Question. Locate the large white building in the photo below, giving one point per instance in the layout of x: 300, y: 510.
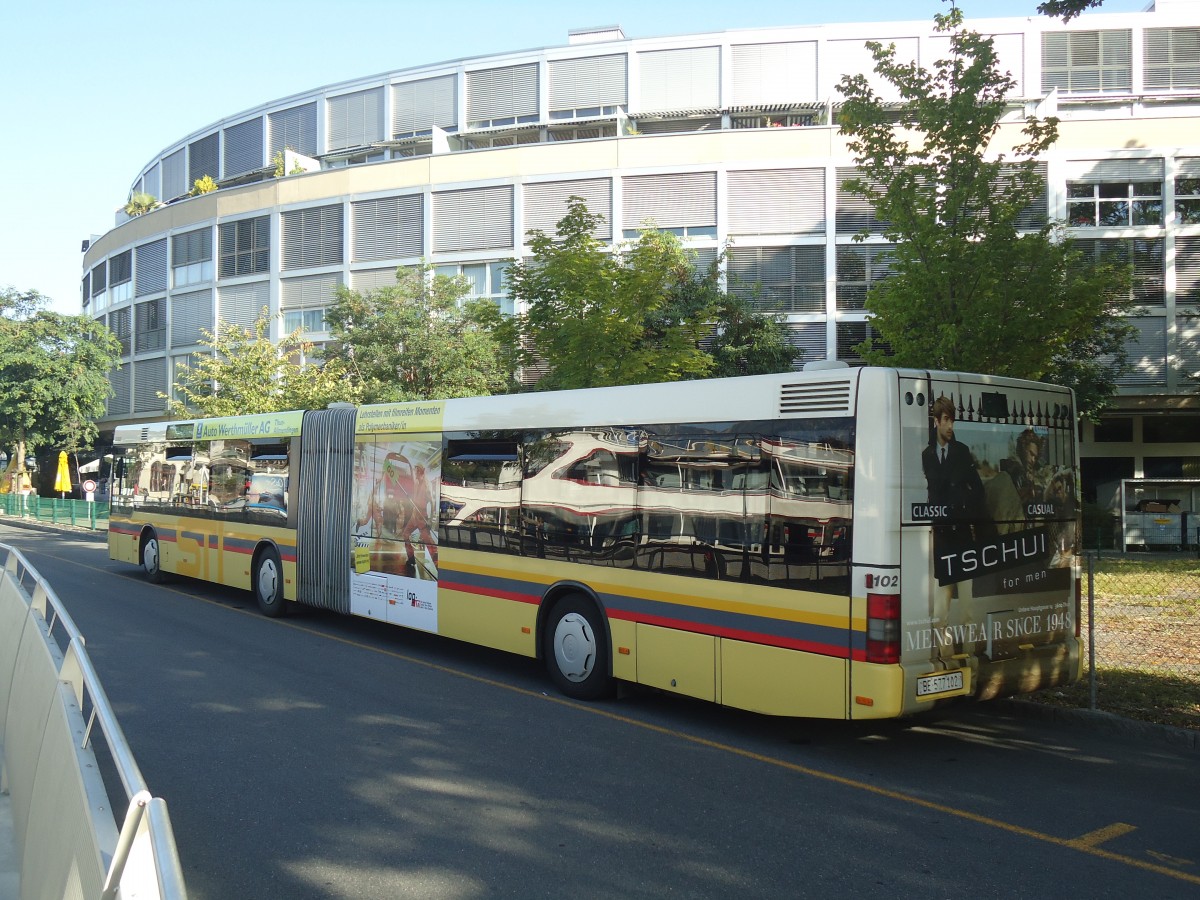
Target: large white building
x: 722, y: 137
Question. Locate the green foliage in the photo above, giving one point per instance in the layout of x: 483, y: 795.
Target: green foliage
x: 418, y: 340
x: 633, y: 316
x: 278, y: 162
x: 53, y: 375
x: 243, y: 372
x: 139, y: 204
x: 969, y: 289
x: 1067, y: 9
x: 204, y: 185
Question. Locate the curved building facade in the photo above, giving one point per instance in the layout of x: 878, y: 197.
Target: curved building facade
x: 723, y: 138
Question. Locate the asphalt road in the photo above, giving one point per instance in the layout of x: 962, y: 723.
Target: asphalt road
x: 320, y: 756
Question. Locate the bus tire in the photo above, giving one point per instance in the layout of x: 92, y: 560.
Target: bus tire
x: 576, y: 649
x: 151, y: 555
x: 268, y: 583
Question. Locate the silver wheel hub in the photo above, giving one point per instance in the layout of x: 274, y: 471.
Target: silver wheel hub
x: 574, y: 647
x: 268, y: 580
x: 150, y: 556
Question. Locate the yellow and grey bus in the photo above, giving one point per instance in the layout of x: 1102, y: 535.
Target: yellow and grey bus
x: 843, y: 542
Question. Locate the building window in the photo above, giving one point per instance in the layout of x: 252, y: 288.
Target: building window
x: 306, y: 320
x: 584, y: 132
x: 1187, y: 200
x: 487, y: 280
x: 245, y: 247
x: 120, y: 274
x: 312, y: 237
x: 1114, y: 204
x: 150, y: 327
x: 585, y: 112
x: 1115, y: 430
x: 191, y: 257
x: 1087, y: 62
x: 1171, y: 55
x: 779, y: 279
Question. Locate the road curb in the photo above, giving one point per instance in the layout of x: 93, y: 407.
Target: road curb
x: 61, y: 528
x: 1099, y: 720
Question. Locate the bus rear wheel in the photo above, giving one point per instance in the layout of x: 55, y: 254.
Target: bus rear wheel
x: 268, y: 583
x: 576, y: 649
x: 152, y: 558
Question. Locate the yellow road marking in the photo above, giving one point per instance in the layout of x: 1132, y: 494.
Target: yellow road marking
x: 1102, y: 835
x: 1086, y: 844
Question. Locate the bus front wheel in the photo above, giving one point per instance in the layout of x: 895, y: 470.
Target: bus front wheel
x: 151, y: 558
x: 268, y: 583
x: 576, y: 649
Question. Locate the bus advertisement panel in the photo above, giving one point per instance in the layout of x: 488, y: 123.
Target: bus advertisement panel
x: 990, y: 477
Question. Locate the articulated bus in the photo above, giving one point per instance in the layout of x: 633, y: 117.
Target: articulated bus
x: 851, y: 543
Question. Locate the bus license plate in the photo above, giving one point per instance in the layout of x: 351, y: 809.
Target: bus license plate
x: 940, y: 684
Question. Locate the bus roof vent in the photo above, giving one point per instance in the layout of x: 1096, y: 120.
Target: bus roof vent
x: 815, y: 397
x: 145, y: 439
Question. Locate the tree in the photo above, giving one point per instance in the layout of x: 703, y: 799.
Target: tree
x: 243, y: 372
x: 639, y: 314
x: 418, y: 340
x: 53, y: 376
x: 971, y: 288
x: 1067, y: 9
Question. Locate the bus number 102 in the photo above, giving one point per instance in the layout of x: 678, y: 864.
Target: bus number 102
x: 875, y: 582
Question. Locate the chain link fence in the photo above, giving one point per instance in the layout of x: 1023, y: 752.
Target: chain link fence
x: 1141, y: 629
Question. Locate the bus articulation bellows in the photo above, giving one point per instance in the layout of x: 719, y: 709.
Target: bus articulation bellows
x: 842, y: 543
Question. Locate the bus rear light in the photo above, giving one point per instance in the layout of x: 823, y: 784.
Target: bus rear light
x: 883, y: 628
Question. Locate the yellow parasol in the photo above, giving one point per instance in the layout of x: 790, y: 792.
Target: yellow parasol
x: 62, y: 481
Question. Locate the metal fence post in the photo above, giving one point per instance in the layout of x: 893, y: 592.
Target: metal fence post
x: 1091, y: 566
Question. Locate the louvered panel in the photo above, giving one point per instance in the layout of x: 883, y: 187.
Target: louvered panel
x: 546, y: 204
x: 779, y: 279
x: 149, y: 380
x: 150, y: 325
x: 204, y: 158
x: 854, y: 213
x: 670, y: 201
x: 680, y: 79
x: 99, y: 278
x: 242, y: 304
x: 355, y: 120
x: 503, y: 93
x: 120, y: 268
x: 1147, y: 351
x: 191, y: 247
x: 387, y: 228
x: 120, y: 323
x: 293, y: 129
x: 1172, y: 59
x: 1087, y: 62
x: 419, y: 106
x: 777, y: 201
x: 191, y: 316
x: 587, y: 82
x: 150, y: 268
x: 309, y: 292
x: 119, y: 404
x: 809, y: 340
x: 243, y: 147
x: 774, y: 73
x: 174, y: 175
x: 152, y: 181
x: 473, y: 219
x: 806, y: 398
x: 1187, y: 167
x: 1010, y: 56
x: 373, y: 279
x: 851, y: 57
x: 1188, y: 349
x: 1187, y: 270
x: 680, y: 126
x: 1114, y: 170
x: 312, y: 237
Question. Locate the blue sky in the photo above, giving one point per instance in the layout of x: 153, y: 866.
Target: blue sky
x: 91, y: 91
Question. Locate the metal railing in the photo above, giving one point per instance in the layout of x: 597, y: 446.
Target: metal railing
x: 137, y: 852
x: 77, y: 513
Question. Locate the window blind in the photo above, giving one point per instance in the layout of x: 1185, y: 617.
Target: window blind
x: 312, y: 237
x: 243, y: 147
x: 387, y: 228
x: 293, y: 129
x: 546, y: 204
x: 425, y: 104
x: 191, y: 316
x: 242, y: 304
x: 149, y: 380
x: 774, y: 73
x: 204, y: 159
x: 355, y: 120
x: 680, y: 79
x: 502, y: 93
x: 670, y: 201
x: 588, y: 81
x: 777, y: 201
x: 150, y: 268
x: 473, y: 219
